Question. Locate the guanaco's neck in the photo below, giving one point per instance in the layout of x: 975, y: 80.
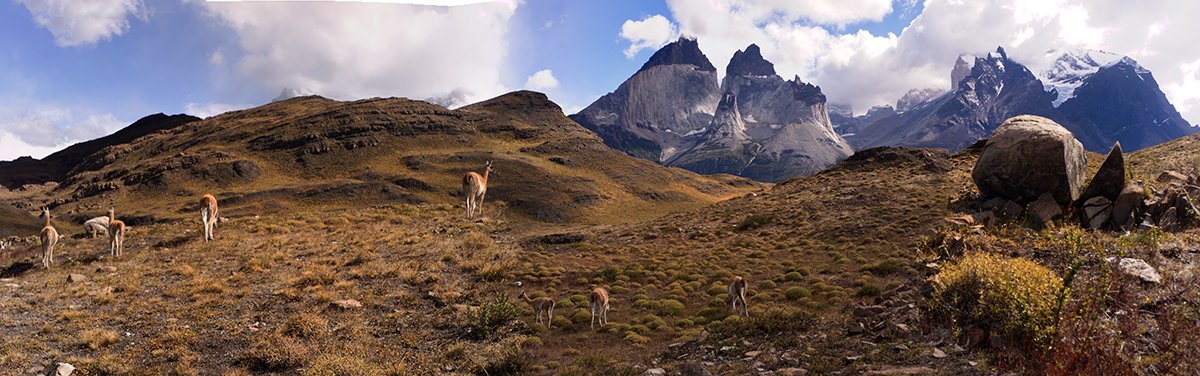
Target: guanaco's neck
x: 47, y: 212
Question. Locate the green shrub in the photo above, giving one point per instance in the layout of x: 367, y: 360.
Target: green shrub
x: 793, y: 276
x: 884, y: 267
x: 489, y: 315
x: 796, y: 293
x: 1014, y: 297
x: 869, y: 290
x: 766, y: 284
x: 671, y: 307
x: 754, y: 221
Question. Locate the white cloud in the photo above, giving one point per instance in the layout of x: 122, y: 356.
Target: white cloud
x: 651, y: 32
x: 360, y: 50
x: 542, y: 80
x: 1186, y: 93
x: 865, y: 70
x: 217, y: 58
x: 84, y: 22
x: 207, y: 110
x: 39, y: 130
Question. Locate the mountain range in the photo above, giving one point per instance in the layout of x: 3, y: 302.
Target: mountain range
x: 1100, y: 97
x: 755, y: 124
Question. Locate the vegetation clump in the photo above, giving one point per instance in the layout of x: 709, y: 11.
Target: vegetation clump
x: 1013, y: 298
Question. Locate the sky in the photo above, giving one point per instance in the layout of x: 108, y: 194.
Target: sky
x: 76, y: 70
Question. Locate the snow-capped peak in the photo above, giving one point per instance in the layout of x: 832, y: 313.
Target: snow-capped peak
x: 1065, y: 70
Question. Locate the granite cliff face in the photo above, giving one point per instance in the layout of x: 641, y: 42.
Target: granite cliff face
x: 755, y: 124
x: 657, y: 113
x: 1101, y: 98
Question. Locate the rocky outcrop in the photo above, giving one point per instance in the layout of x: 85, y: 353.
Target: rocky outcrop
x: 685, y: 51
x: 962, y: 69
x: 1109, y: 179
x: 915, y: 97
x: 749, y: 63
x: 1028, y: 156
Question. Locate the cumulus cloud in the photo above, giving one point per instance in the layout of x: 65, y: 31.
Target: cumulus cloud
x: 865, y: 70
x: 40, y: 131
x: 542, y: 80
x: 84, y: 22
x: 651, y: 32
x: 359, y: 50
x: 207, y: 110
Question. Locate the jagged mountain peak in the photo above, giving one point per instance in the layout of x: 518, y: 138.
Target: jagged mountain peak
x: 686, y: 50
x: 749, y: 63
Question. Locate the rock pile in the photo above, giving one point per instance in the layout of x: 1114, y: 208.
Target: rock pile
x: 1034, y: 167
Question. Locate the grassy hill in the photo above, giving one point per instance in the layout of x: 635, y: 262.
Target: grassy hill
x: 842, y: 264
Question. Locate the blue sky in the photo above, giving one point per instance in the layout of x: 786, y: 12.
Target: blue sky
x: 75, y: 70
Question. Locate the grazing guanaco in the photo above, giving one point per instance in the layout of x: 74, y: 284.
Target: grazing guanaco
x: 737, y: 292
x: 599, y: 304
x: 475, y: 187
x: 49, y: 237
x: 116, y: 233
x: 208, y: 215
x: 540, y: 305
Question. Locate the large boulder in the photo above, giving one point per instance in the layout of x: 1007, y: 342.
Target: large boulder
x: 1030, y: 155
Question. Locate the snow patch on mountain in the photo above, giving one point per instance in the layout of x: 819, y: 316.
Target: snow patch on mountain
x: 1063, y: 71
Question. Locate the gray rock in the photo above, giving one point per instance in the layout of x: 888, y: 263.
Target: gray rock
x: 75, y: 278
x: 1097, y: 212
x: 1169, y: 176
x: 1044, y: 209
x: 1029, y: 155
x: 1169, y: 220
x: 856, y: 328
x: 1140, y: 269
x: 1011, y: 210
x: 1128, y: 204
x: 346, y: 304
x: 655, y: 372
x: 1109, y: 179
x: 64, y: 369
x: 694, y: 369
x: 791, y: 371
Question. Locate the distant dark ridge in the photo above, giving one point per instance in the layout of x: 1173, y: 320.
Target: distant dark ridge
x: 26, y: 170
x: 683, y: 51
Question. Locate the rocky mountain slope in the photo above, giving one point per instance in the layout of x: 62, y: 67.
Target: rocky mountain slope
x: 315, y: 152
x: 55, y: 167
x: 1102, y: 98
x: 754, y: 124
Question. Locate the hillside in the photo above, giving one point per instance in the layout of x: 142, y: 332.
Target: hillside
x: 837, y: 263
x: 311, y: 152
x: 55, y: 167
